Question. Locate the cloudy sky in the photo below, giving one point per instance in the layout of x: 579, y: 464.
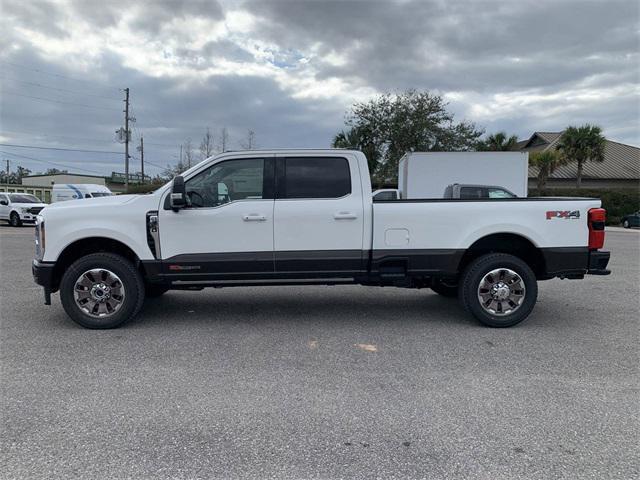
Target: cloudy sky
x: 290, y: 70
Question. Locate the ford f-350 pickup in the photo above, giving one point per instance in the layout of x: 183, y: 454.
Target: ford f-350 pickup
x: 305, y: 217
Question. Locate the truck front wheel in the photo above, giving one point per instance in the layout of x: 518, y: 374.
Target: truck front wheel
x: 101, y: 290
x: 14, y: 220
x: 498, y: 289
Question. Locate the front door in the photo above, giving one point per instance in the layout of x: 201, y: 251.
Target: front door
x: 227, y: 231
x: 318, y: 230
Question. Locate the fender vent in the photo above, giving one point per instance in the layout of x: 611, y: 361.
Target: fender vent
x: 153, y: 233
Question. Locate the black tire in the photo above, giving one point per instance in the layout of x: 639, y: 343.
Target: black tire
x: 626, y: 224
x: 474, y: 275
x: 14, y: 220
x: 444, y: 289
x: 154, y: 291
x: 132, y: 284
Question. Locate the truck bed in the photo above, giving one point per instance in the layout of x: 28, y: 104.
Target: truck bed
x: 455, y: 223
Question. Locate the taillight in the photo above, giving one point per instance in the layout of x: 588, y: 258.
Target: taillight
x: 597, y: 218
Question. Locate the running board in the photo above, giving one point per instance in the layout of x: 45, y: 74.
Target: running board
x: 185, y: 284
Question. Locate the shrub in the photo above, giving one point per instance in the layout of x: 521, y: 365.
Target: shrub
x: 617, y: 203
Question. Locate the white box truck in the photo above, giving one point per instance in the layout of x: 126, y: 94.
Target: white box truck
x: 428, y: 174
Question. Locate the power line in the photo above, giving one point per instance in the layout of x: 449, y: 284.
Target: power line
x: 64, y: 89
x: 30, y: 134
x: 50, y: 162
x: 154, y: 164
x: 45, y: 72
x: 56, y: 148
x: 63, y: 102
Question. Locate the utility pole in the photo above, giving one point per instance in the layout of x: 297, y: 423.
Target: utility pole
x: 142, y: 157
x: 126, y: 140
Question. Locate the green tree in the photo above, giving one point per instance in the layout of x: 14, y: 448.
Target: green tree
x: 357, y: 139
x: 547, y: 162
x: 392, y: 125
x: 14, y: 177
x: 582, y: 144
x: 173, y: 171
x: 498, y: 142
x: 53, y: 171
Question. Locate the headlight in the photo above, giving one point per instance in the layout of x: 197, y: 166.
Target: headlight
x: 24, y: 209
x: 40, y: 237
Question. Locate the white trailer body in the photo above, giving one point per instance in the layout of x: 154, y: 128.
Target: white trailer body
x: 427, y: 174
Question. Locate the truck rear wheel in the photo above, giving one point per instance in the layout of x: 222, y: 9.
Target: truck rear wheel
x: 101, y: 290
x: 500, y: 290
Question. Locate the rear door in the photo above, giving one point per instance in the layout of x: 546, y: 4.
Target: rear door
x: 318, y: 216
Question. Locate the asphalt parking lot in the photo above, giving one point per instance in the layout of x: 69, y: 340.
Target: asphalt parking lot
x: 322, y: 382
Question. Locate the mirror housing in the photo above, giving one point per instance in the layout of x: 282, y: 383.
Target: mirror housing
x: 178, y: 195
x: 4, y: 202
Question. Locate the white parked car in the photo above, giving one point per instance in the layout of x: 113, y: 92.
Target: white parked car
x: 64, y: 191
x: 18, y: 208
x: 306, y: 217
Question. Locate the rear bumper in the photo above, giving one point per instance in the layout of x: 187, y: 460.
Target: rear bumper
x: 574, y: 262
x: 598, y: 262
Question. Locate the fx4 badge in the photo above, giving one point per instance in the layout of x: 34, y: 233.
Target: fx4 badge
x: 566, y: 214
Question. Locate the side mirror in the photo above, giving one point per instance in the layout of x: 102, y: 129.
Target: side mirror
x: 178, y: 195
x: 4, y: 202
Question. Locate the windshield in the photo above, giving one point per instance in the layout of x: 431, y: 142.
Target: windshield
x: 23, y: 198
x: 100, y: 194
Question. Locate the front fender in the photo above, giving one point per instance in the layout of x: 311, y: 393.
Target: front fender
x: 134, y: 241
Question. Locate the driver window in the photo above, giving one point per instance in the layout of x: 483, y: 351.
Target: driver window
x: 226, y: 182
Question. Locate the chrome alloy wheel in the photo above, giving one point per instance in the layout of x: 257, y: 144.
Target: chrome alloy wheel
x: 501, y: 292
x: 99, y: 293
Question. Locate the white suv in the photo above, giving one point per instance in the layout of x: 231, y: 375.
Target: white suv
x: 17, y: 208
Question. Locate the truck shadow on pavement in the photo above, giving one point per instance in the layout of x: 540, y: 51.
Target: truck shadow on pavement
x: 324, y: 305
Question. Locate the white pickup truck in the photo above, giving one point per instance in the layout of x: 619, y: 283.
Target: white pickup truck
x: 303, y: 217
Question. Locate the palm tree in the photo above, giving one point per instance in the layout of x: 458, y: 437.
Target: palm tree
x: 356, y: 138
x: 348, y: 139
x: 547, y: 162
x: 498, y: 142
x: 582, y: 144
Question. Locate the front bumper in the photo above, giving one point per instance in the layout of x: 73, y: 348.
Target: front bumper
x: 43, y: 275
x: 598, y: 262
x: 27, y: 217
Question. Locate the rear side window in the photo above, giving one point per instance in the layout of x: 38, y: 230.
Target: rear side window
x: 473, y: 192
x: 316, y: 177
x: 500, y: 193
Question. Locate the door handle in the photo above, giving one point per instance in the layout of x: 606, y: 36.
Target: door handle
x: 254, y: 217
x: 345, y: 216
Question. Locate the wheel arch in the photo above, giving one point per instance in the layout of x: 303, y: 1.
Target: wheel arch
x: 85, y: 246
x: 506, y: 242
